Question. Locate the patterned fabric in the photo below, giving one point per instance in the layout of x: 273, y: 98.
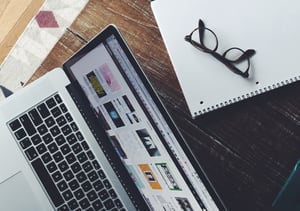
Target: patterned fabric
x: 36, y: 42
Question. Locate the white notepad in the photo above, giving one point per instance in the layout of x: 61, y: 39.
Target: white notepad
x: 271, y: 27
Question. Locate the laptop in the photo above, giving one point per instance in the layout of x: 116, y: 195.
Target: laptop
x: 93, y: 135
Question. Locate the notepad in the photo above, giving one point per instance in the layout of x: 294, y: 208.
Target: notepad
x: 271, y: 27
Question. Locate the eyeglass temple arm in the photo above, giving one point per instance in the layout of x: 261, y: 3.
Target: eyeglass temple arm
x: 231, y: 66
x: 201, y: 29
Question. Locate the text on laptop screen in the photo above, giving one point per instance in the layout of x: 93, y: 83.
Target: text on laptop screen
x: 138, y: 131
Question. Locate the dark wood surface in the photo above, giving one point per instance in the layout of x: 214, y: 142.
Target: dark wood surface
x: 247, y: 149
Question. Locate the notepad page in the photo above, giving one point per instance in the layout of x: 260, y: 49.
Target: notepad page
x: 270, y: 27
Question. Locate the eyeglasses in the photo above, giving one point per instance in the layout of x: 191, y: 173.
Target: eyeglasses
x: 231, y: 58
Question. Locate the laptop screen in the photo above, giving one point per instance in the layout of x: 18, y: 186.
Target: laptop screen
x: 138, y: 127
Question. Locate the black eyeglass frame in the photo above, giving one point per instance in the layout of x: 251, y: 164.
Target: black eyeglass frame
x: 246, y: 55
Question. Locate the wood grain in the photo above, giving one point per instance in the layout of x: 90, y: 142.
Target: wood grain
x: 14, y: 17
x: 247, y: 149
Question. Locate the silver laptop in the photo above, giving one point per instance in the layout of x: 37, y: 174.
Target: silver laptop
x: 93, y: 135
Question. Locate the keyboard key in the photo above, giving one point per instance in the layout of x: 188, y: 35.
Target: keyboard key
x: 85, y: 146
x: 81, y: 177
x: 71, y: 139
x: 68, y: 175
x: 87, y: 166
x: 86, y: 186
x: 15, y: 125
x: 60, y: 140
x: 73, y: 204
x: 82, y: 157
x: 107, y: 184
x: 19, y: 134
x: 47, y: 182
x: 63, y: 166
x: 42, y: 129
x: 51, y: 103
x: 98, y: 185
x: 63, y: 208
x: 58, y: 157
x: 71, y: 158
x: 92, y: 176
x: 65, y: 149
x: 67, y: 195
x: 58, y: 98
x: 41, y: 148
x: 112, y: 194
x: 35, y: 117
x: 46, y: 158
x: 62, y: 185
x: 76, y: 148
x: 76, y: 167
x: 103, y: 195
x: 69, y: 117
x: 56, y: 112
x: 51, y: 167
x: 47, y: 138
x: 57, y: 176
x: 55, y: 131
x: 52, y: 147
x: 27, y: 124
x: 25, y: 143
x: 50, y: 122
x: 84, y: 203
x: 66, y: 130
x: 63, y: 108
x: 92, y: 195
x: 74, y: 184
x: 109, y: 204
x: 101, y: 174
x: 74, y: 127
x: 96, y: 164
x: 43, y: 110
x: 61, y: 121
x: 31, y: 153
x: 79, y: 194
x: 118, y: 203
x: 79, y: 136
x: 97, y: 205
x: 36, y: 139
x: 90, y: 155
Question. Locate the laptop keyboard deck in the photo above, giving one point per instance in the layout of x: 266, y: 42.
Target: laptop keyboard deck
x: 61, y: 158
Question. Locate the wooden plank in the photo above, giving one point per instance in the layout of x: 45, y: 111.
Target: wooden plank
x: 14, y: 17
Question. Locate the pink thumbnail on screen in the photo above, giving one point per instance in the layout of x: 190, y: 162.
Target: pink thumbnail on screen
x: 109, y: 77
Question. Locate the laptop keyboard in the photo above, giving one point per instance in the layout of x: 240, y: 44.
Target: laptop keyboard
x: 62, y: 160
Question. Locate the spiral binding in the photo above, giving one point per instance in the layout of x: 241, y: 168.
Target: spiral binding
x: 248, y: 95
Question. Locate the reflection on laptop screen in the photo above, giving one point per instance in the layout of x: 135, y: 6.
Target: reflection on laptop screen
x: 138, y: 131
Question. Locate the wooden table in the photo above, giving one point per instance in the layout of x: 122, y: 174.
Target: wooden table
x: 247, y: 149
